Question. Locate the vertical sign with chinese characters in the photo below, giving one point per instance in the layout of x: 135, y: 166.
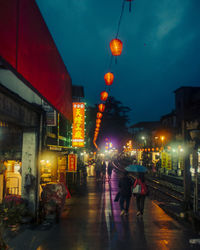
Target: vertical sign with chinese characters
x: 72, y: 163
x: 78, y: 133
x: 163, y: 160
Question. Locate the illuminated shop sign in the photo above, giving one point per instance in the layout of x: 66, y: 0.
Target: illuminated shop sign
x: 78, y: 124
x: 72, y: 163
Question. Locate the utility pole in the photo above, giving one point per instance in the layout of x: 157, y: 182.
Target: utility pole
x: 194, y: 131
x: 186, y: 171
x: 195, y: 165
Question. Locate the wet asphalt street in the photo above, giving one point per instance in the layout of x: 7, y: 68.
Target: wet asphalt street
x: 92, y: 221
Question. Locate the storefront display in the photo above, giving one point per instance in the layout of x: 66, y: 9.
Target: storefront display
x: 45, y: 167
x: 53, y: 168
x: 13, y: 177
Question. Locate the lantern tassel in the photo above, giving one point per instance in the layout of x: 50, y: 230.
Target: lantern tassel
x: 130, y: 7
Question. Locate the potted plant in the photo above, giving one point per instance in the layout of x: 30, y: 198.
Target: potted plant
x: 12, y: 210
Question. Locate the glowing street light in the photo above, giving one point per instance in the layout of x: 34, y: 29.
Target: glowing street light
x: 144, y: 139
x: 162, y: 139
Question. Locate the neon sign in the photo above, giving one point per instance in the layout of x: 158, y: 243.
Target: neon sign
x: 78, y: 133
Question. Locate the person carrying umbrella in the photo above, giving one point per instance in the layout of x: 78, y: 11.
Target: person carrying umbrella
x: 125, y: 186
x: 141, y: 194
x: 139, y: 187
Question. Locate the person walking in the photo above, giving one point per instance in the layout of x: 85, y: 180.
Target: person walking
x: 140, y: 196
x: 98, y: 170
x: 109, y: 170
x: 125, y: 186
x: 103, y: 171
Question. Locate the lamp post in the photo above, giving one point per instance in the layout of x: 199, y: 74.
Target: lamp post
x: 195, y: 136
x: 162, y: 139
x: 144, y: 140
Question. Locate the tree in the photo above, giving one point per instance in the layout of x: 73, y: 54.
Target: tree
x: 114, y: 123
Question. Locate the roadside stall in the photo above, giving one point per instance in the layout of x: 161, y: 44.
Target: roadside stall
x: 53, y: 184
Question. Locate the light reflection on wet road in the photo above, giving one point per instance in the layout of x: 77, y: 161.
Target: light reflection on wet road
x: 92, y: 221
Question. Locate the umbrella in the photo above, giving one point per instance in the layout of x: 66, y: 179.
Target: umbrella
x: 136, y: 168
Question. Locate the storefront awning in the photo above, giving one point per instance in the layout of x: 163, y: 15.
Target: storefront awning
x: 27, y: 46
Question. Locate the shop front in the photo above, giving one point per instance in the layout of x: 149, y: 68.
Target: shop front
x: 53, y: 167
x: 10, y: 159
x: 19, y: 146
x: 28, y: 77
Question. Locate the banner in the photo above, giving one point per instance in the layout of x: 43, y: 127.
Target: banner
x: 78, y: 130
x: 163, y: 160
x: 166, y: 161
x: 72, y: 163
x: 169, y: 162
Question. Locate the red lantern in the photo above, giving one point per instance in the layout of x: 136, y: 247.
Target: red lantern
x: 104, y: 95
x: 101, y: 107
x: 98, y: 125
x: 98, y: 121
x: 116, y: 46
x: 109, y: 77
x: 99, y: 115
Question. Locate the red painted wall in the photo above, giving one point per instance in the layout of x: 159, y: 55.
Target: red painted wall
x: 27, y: 45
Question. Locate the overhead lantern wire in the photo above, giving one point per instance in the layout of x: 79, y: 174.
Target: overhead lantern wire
x: 118, y: 28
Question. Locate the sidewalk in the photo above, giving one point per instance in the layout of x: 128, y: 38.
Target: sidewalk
x: 92, y: 221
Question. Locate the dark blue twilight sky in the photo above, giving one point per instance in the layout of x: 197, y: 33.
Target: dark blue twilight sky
x: 161, y: 50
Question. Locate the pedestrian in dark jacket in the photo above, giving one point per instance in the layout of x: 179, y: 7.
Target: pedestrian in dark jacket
x: 103, y: 171
x: 109, y: 170
x: 98, y: 170
x: 125, y: 185
x: 140, y: 197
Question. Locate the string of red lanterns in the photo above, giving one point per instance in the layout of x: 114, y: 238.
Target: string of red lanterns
x: 116, y: 46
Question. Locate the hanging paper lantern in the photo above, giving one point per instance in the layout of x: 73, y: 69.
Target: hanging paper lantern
x: 109, y: 77
x: 101, y: 107
x: 116, y: 46
x: 98, y: 121
x: 99, y: 115
x: 98, y: 125
x: 104, y: 95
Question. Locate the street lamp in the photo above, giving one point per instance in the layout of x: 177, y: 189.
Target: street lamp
x: 162, y: 139
x: 195, y: 136
x: 144, y: 139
